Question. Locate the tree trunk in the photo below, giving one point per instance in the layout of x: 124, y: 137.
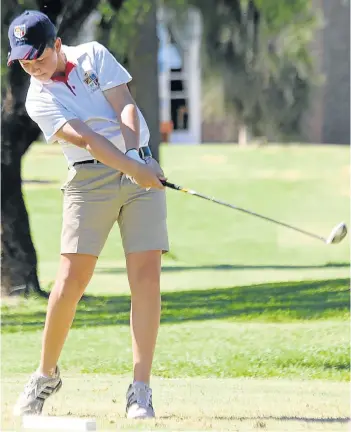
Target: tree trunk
x: 18, y: 256
x: 143, y: 67
x: 19, y: 260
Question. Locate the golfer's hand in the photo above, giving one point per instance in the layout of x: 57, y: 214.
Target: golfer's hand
x: 153, y: 164
x: 148, y: 176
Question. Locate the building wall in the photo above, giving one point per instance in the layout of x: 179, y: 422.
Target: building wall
x: 327, y: 119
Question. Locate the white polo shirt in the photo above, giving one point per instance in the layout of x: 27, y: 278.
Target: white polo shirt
x: 91, y: 69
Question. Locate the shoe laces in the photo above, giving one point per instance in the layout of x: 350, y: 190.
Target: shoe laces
x: 142, y: 396
x: 31, y: 385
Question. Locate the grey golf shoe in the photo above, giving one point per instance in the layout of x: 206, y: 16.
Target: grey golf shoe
x: 35, y: 393
x: 139, y: 402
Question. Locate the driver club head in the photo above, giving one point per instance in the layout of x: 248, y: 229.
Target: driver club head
x: 338, y: 233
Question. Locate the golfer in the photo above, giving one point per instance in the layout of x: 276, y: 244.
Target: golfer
x: 78, y: 96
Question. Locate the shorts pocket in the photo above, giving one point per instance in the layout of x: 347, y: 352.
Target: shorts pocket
x: 72, y: 173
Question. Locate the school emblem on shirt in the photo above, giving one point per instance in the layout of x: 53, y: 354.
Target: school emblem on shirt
x: 19, y: 31
x: 91, y: 80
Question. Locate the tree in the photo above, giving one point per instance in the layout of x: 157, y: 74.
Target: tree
x: 258, y: 61
x: 132, y: 37
x: 19, y: 260
x: 144, y: 68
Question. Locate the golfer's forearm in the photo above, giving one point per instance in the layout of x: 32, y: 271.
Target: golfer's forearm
x: 78, y: 133
x: 104, y: 151
x: 130, y: 126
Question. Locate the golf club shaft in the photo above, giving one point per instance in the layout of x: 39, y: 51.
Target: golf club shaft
x: 192, y: 192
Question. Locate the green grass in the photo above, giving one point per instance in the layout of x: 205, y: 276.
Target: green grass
x: 279, y: 302
x: 316, y: 350
x: 249, y: 308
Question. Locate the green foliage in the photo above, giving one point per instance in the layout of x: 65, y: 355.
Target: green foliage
x: 257, y: 57
x: 277, y: 14
x: 121, y: 26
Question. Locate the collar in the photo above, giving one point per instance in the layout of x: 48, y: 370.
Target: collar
x: 64, y: 78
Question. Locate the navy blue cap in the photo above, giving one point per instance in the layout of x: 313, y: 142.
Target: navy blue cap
x: 29, y: 34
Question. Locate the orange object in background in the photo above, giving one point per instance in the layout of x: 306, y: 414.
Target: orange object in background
x: 166, y: 128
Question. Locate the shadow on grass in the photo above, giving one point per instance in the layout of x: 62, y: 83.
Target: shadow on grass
x: 35, y: 181
x: 271, y: 302
x: 280, y: 418
x: 308, y: 419
x: 223, y: 267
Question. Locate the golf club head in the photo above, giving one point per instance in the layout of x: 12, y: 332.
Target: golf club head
x: 338, y: 233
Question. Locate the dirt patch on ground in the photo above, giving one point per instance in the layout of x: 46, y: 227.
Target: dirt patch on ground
x: 214, y: 159
x: 290, y: 175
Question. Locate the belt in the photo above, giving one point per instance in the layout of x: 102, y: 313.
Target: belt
x: 143, y: 152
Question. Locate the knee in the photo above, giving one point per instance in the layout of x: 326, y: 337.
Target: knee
x: 144, y: 270
x: 69, y: 287
x: 146, y: 283
x: 75, y: 272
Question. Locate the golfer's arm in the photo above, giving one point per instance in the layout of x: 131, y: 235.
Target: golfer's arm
x: 78, y: 133
x: 126, y: 111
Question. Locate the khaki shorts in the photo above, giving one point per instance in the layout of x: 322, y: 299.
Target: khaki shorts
x: 95, y: 197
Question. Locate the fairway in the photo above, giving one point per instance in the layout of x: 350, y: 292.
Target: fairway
x: 255, y: 320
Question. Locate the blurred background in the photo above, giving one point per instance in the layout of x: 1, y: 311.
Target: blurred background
x: 247, y: 101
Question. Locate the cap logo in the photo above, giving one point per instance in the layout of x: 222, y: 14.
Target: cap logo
x: 19, y: 31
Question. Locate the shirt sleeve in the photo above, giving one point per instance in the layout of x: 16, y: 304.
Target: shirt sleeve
x: 110, y: 73
x: 49, y: 115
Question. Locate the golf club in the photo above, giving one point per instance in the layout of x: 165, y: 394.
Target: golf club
x: 336, y: 236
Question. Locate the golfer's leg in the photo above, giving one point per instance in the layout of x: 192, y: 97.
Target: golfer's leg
x: 144, y: 278
x: 89, y: 212
x: 143, y: 227
x: 75, y: 272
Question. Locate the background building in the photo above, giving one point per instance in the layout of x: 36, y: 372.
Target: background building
x: 180, y: 76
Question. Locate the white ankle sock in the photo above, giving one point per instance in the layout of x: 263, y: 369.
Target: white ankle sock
x: 141, y: 383
x: 41, y: 374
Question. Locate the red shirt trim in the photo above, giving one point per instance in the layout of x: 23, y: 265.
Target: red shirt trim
x: 64, y: 78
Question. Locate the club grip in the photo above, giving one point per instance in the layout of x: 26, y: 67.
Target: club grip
x: 170, y: 185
